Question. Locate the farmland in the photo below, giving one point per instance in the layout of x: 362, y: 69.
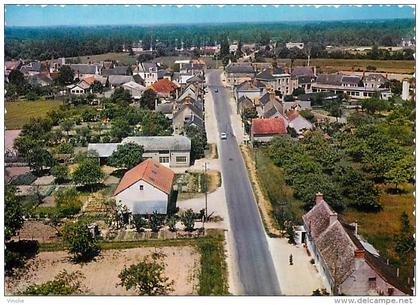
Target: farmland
x: 19, y: 113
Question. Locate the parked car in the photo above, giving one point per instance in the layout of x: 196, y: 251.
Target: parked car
x: 223, y: 136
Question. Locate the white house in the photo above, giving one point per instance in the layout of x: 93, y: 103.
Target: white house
x: 146, y: 188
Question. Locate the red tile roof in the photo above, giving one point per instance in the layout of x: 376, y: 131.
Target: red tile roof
x: 268, y: 126
x: 164, y: 86
x: 150, y: 171
x: 89, y: 79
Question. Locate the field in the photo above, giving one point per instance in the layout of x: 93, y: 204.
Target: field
x: 380, y: 228
x: 19, y: 113
x: 181, y: 267
x: 334, y: 65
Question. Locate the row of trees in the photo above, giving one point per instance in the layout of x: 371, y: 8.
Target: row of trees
x: 47, y: 43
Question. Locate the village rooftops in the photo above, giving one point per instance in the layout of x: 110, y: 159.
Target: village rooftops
x: 85, y: 68
x: 150, y: 171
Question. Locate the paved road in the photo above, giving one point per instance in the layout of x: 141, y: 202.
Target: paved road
x: 256, y: 269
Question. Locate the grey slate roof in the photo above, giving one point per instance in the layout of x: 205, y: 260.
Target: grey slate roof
x: 265, y: 75
x: 116, y: 80
x: 179, y: 143
x: 165, y: 108
x: 171, y: 143
x: 247, y: 86
x: 350, y: 80
x: 31, y: 67
x: 302, y: 71
x: 329, y: 79
x: 239, y: 68
x: 83, y: 68
x: 117, y: 70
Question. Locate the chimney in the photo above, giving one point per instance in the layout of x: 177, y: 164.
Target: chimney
x: 333, y: 218
x: 359, y: 253
x: 398, y: 272
x: 319, y: 198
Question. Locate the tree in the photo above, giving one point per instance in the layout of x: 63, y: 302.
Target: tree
x: 247, y: 116
x: 80, y: 241
x: 60, y: 172
x: 187, y: 219
x: 121, y: 96
x: 97, y: 87
x: 155, y: 222
x: 139, y: 223
x: 88, y: 172
x: 373, y: 105
x: 13, y: 213
x: 171, y: 222
x: 155, y: 124
x: 68, y: 202
x: 147, y: 277
x: 120, y: 129
x: 65, y: 76
x: 198, y: 141
x: 404, y: 241
x: 127, y: 156
x: 64, y: 283
x: 298, y: 91
x: 148, y: 99
x: 67, y: 125
x: 402, y: 171
x: 34, y: 153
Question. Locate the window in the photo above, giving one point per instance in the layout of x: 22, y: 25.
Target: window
x: 181, y: 159
x: 141, y: 187
x: 390, y: 291
x: 163, y: 159
x: 372, y: 283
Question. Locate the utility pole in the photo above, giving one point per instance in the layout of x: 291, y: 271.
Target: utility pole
x: 205, y: 197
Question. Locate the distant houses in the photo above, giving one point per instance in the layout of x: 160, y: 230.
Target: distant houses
x: 347, y: 265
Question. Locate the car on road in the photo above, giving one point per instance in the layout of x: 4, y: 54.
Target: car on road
x: 223, y: 136
x: 216, y: 90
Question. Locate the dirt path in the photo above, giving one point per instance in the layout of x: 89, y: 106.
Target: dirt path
x: 182, y: 266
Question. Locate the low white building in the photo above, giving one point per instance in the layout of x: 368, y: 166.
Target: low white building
x: 146, y: 188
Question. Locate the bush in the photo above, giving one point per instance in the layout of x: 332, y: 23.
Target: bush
x: 139, y: 222
x: 80, y: 241
x: 188, y: 220
x: 68, y: 202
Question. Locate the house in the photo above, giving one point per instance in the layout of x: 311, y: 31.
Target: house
x: 148, y: 72
x: 237, y: 73
x: 32, y: 68
x: 80, y: 88
x: 118, y: 80
x: 188, y: 114
x: 172, y: 151
x: 291, y: 45
x: 54, y: 65
x: 298, y: 122
x: 136, y: 90
x: 244, y: 103
x: 263, y: 130
x: 95, y: 78
x: 277, y: 79
x: 305, y: 76
x: 146, y: 188
x: 166, y: 108
x: 42, y: 79
x: 374, y: 81
x: 165, y: 88
x: 11, y: 65
x: 345, y: 263
x: 250, y: 89
x: 353, y: 86
x: 82, y: 70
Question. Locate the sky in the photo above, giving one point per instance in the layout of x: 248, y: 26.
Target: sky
x: 56, y: 15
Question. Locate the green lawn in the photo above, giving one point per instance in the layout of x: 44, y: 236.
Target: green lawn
x: 19, y: 113
x: 122, y: 58
x: 271, y: 178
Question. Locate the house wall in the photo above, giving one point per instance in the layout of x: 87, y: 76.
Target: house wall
x: 358, y: 282
x: 172, y: 155
x: 144, y: 201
